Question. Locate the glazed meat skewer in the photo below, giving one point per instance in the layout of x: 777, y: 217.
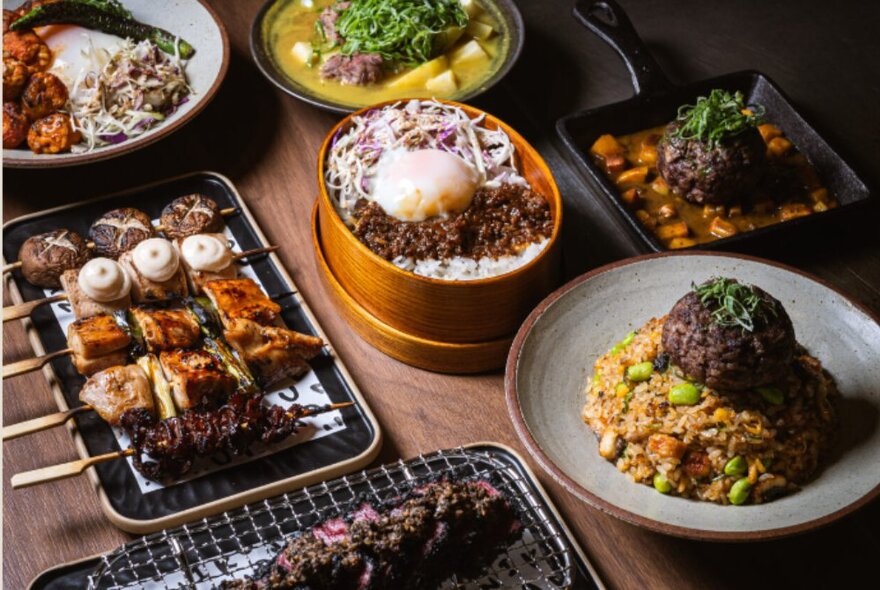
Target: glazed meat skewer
x: 177, y: 441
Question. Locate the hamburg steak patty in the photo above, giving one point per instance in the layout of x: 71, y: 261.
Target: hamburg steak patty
x: 713, y: 347
x: 703, y: 173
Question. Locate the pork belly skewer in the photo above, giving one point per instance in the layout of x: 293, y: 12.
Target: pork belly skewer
x: 140, y: 286
x: 414, y: 541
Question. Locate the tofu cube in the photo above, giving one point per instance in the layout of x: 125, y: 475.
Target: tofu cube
x: 471, y: 7
x: 302, y: 52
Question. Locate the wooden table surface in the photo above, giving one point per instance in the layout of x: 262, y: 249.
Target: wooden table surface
x: 823, y: 54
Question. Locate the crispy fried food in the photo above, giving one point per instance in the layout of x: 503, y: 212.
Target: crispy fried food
x: 117, y: 389
x: 15, y: 125
x: 15, y: 76
x: 52, y: 135
x: 43, y: 95
x: 28, y: 48
x: 9, y: 17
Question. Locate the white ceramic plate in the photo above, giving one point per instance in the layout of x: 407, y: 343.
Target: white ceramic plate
x: 553, y: 355
x: 192, y: 20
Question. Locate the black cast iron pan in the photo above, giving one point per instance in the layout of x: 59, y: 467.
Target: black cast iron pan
x: 656, y: 101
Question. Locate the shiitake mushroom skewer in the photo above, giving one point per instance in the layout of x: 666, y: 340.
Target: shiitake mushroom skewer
x: 21, y: 310
x: 184, y: 216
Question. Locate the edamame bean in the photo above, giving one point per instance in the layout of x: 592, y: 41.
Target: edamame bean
x: 771, y: 395
x: 640, y: 371
x: 661, y: 484
x: 627, y: 340
x: 684, y: 394
x: 739, y: 491
x: 736, y: 466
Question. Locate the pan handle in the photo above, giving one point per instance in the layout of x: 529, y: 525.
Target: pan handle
x: 608, y: 20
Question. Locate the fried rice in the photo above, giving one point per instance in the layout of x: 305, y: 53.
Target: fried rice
x: 772, y: 442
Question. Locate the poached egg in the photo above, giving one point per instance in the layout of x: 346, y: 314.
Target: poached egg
x: 417, y: 185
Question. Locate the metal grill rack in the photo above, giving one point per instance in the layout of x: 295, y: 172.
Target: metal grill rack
x: 236, y: 543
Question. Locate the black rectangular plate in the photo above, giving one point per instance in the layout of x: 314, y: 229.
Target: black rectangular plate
x: 578, y: 131
x: 126, y: 505
x: 75, y: 575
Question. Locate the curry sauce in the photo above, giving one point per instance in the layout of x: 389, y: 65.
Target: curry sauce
x: 790, y: 188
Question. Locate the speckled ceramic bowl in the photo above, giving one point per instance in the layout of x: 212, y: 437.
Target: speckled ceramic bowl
x: 193, y: 20
x: 553, y: 354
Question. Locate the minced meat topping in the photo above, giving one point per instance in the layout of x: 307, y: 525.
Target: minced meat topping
x: 499, y: 221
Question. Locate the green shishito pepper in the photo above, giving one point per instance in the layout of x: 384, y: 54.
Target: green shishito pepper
x: 107, y: 16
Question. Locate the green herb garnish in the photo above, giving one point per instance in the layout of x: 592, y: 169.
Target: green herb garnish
x: 716, y: 117
x: 403, y: 32
x: 734, y: 304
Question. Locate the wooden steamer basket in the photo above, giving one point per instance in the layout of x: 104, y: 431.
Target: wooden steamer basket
x: 441, y: 325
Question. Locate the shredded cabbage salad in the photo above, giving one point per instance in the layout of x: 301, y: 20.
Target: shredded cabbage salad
x: 121, y: 95
x: 418, y: 124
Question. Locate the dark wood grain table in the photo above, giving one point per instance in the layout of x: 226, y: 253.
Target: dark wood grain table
x: 824, y: 55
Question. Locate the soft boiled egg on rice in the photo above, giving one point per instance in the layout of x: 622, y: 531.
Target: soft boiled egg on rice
x: 417, y: 185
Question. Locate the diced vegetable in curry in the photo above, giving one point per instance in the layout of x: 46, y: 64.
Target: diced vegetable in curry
x: 788, y: 186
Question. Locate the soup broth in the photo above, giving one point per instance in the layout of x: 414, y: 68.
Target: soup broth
x: 292, y: 22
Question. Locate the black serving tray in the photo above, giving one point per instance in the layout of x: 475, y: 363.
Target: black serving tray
x: 656, y: 101
x: 121, y: 498
x: 198, y: 545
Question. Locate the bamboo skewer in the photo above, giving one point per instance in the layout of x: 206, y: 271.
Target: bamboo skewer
x: 28, y: 365
x: 74, y: 468
x: 41, y: 423
x: 64, y: 470
x: 91, y: 245
x: 12, y: 266
x: 22, y: 310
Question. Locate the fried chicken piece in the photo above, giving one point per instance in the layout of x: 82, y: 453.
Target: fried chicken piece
x: 28, y: 48
x: 52, y: 135
x: 272, y: 353
x: 15, y: 76
x: 113, y: 391
x: 43, y: 95
x: 15, y: 125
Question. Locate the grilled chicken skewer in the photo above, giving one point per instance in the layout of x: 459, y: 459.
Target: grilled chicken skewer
x: 245, y: 421
x: 117, y: 281
x: 44, y: 257
x: 105, y: 340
